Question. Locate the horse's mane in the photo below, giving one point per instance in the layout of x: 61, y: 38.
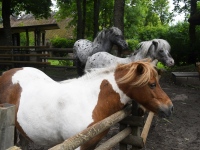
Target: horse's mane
x: 107, y: 32
x: 144, y: 46
x: 147, y: 71
x: 93, y: 72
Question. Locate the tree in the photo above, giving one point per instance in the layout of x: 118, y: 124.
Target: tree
x: 96, y: 17
x: 40, y: 9
x: 119, y: 14
x: 161, y: 8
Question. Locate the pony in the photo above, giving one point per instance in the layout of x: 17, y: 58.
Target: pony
x: 156, y: 49
x: 49, y: 112
x: 102, y: 43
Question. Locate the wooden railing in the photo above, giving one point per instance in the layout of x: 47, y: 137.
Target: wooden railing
x: 36, y: 56
x: 125, y: 137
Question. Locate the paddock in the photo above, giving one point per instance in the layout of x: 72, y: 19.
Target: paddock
x: 181, y: 131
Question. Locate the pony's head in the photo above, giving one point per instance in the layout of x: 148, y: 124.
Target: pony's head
x: 112, y: 35
x: 139, y: 81
x: 117, y: 37
x: 162, y: 51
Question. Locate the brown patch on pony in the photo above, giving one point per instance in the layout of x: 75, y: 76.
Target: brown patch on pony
x: 108, y: 103
x: 11, y: 93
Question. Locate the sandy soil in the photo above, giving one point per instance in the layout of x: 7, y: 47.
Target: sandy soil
x: 182, y: 130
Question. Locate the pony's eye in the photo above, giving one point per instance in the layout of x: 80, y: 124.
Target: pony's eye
x: 152, y: 85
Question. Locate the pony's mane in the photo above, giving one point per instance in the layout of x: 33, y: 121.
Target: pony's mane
x: 147, y: 71
x: 93, y: 72
x: 107, y: 32
x: 144, y: 46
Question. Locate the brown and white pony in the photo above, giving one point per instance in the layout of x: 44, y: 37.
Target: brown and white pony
x: 49, y: 112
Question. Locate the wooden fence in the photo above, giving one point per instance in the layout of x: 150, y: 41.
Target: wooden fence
x: 130, y: 133
x: 36, y: 56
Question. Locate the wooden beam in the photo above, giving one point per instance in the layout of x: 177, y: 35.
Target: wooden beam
x: 7, y: 125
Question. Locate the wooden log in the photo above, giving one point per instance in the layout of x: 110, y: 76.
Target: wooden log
x: 14, y: 148
x: 133, y: 121
x: 147, y: 125
x: 7, y: 125
x: 89, y: 133
x: 135, y: 141
x: 115, y: 139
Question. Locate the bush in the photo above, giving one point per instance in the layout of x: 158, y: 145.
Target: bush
x: 132, y: 44
x: 62, y: 42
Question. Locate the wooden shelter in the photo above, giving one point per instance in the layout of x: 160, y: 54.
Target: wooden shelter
x: 27, y: 24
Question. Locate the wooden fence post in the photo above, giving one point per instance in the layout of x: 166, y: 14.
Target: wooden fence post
x: 7, y: 125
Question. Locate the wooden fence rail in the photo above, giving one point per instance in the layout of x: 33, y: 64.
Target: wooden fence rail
x: 7, y: 125
x: 34, y: 56
x: 123, y: 137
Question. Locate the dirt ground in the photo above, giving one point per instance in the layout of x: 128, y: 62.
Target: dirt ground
x: 182, y: 130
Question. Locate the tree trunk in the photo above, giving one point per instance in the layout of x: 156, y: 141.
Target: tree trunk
x: 119, y: 18
x: 192, y: 34
x: 6, y: 21
x: 84, y: 18
x: 96, y: 17
x: 119, y: 14
x: 79, y: 21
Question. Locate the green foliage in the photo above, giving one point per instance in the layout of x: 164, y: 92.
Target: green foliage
x: 40, y: 9
x: 62, y: 42
x: 149, y: 32
x: 23, y: 39
x: 178, y: 38
x: 132, y: 44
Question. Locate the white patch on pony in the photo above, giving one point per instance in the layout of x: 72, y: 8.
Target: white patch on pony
x: 50, y: 112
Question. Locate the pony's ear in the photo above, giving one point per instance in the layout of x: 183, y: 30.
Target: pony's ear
x: 140, y: 69
x: 155, y: 43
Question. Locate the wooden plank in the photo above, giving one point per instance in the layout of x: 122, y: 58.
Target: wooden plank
x: 25, y: 62
x: 21, y: 47
x: 147, y: 125
x: 67, y: 67
x: 67, y: 50
x: 13, y: 55
x: 185, y: 74
x: 58, y: 58
x: 7, y: 125
x: 115, y: 139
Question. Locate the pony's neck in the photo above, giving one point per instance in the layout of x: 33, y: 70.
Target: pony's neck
x: 102, y: 45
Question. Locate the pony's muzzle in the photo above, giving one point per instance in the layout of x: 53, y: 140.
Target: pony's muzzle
x: 165, y: 112
x: 170, y: 62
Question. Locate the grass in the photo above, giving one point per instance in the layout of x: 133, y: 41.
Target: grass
x: 61, y: 62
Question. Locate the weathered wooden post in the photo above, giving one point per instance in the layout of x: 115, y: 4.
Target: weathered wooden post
x: 7, y: 125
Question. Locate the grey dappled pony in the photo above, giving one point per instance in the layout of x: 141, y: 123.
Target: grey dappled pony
x: 156, y: 49
x: 102, y: 43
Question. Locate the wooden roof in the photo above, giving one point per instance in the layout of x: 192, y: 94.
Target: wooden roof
x: 29, y: 23
x: 53, y: 27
